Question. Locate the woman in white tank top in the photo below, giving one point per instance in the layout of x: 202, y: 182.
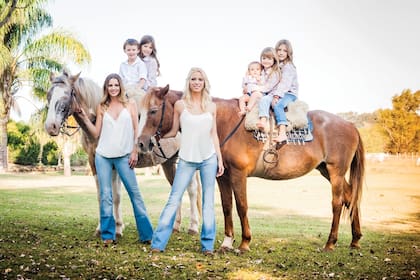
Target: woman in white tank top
x: 195, y: 113
x: 116, y: 127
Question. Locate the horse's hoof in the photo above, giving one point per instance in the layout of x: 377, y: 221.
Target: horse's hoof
x: 224, y: 250
x: 119, y: 235
x: 328, y: 248
x: 97, y: 233
x: 354, y: 246
x: 192, y: 232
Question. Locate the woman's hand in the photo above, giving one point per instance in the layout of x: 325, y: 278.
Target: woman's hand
x: 220, y: 168
x: 133, y: 158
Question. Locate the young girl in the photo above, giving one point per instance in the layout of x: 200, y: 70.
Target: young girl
x: 148, y: 55
x: 249, y: 84
x: 287, y: 90
x: 271, y: 78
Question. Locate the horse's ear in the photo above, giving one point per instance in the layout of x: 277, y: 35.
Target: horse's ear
x: 163, y: 91
x: 52, y: 76
x: 75, y: 77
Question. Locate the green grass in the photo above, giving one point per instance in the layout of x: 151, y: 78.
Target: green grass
x: 47, y: 233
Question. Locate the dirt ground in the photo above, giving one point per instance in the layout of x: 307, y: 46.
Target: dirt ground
x: 391, y: 197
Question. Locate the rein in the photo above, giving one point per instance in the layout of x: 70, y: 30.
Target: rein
x: 156, y: 138
x: 232, y: 132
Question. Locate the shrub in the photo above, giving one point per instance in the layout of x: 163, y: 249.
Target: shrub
x: 50, y: 153
x: 79, y: 158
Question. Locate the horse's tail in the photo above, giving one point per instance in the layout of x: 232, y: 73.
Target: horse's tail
x: 357, y: 173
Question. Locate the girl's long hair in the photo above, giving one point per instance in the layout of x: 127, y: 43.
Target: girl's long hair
x: 146, y: 39
x: 289, y: 48
x: 270, y: 52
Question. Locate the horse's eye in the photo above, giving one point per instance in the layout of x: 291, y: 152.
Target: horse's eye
x: 153, y: 111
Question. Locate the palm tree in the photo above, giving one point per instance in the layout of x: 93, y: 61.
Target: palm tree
x: 27, y: 58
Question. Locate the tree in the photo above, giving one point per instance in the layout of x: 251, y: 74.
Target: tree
x: 27, y: 59
x: 401, y: 124
x: 7, y: 8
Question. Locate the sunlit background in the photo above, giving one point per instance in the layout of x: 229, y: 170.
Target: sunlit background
x: 350, y: 55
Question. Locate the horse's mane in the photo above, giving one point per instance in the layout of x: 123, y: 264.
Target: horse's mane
x: 90, y: 92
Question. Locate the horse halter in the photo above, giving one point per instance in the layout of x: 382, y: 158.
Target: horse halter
x: 155, y: 139
x: 64, y: 127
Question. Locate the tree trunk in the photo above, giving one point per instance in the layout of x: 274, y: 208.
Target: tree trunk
x: 3, y: 144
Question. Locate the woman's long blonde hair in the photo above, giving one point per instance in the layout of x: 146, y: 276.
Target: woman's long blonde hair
x: 205, y: 94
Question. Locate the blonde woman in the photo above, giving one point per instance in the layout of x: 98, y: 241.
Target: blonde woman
x: 199, y: 150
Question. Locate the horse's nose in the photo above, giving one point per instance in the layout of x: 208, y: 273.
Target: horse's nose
x: 52, y: 128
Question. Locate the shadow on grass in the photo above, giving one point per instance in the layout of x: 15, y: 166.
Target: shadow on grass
x: 48, y: 234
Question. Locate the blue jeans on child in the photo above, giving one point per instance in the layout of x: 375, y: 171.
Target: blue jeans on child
x: 128, y: 177
x: 183, y: 176
x: 279, y: 113
x: 264, y: 106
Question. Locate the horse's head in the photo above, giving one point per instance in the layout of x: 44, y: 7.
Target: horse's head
x: 156, y: 113
x: 60, y: 97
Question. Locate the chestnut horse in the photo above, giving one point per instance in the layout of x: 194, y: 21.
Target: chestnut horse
x: 335, y: 149
x: 66, y: 95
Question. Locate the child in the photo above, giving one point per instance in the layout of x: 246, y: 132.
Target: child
x: 249, y: 83
x: 271, y: 78
x: 148, y: 55
x: 287, y: 90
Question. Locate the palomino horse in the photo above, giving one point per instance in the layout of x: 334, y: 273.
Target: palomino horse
x: 66, y: 95
x: 335, y: 149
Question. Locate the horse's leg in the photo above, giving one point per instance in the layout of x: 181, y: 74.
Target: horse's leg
x: 337, y: 182
x: 238, y: 182
x: 225, y: 189
x: 116, y: 197
x: 169, y: 168
x: 194, y: 193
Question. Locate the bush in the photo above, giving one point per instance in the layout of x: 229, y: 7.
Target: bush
x: 79, y: 158
x: 50, y: 153
x: 29, y: 154
x: 23, y: 145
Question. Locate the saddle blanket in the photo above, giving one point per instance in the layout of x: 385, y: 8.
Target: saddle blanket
x: 298, y: 130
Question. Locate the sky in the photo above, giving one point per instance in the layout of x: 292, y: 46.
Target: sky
x: 350, y: 55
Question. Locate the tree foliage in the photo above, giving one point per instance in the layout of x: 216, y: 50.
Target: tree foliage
x: 401, y: 124
x: 28, y: 58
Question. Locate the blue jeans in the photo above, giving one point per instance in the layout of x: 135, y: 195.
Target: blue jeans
x: 264, y: 106
x: 279, y: 113
x: 183, y: 176
x: 128, y: 177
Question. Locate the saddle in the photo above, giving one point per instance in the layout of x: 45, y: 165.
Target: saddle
x: 298, y: 130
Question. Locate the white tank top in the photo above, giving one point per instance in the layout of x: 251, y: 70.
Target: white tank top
x: 116, y: 139
x: 196, y: 141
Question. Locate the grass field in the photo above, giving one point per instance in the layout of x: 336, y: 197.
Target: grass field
x: 47, y: 223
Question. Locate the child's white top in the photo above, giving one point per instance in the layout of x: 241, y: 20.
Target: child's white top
x: 132, y: 73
